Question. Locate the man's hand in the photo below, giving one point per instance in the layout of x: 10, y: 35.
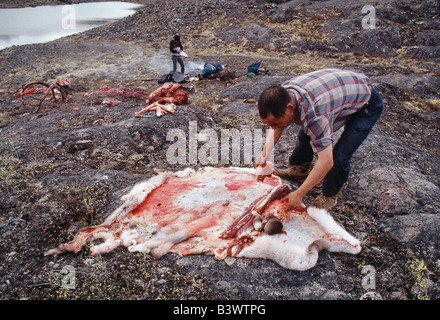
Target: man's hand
x: 294, y: 201
x: 322, y: 166
x: 261, y: 161
x: 265, y: 170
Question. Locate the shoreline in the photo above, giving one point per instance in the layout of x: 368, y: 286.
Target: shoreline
x: 20, y: 25
x: 12, y: 4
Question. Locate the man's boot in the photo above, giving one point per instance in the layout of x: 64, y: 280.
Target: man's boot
x: 296, y: 172
x: 324, y: 202
x: 327, y: 203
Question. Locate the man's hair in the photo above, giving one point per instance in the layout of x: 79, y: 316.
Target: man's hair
x: 273, y: 100
x: 177, y: 38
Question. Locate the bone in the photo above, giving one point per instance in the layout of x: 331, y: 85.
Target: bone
x: 258, y: 221
x: 62, y: 248
x: 258, y: 206
x: 278, y: 192
x: 232, y: 229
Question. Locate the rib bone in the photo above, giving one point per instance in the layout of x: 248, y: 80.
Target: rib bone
x: 257, y: 205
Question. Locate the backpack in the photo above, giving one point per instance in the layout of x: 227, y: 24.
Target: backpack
x: 253, y: 68
x: 177, y: 77
x: 168, y: 78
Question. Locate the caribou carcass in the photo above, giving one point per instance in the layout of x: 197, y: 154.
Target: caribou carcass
x: 164, y: 99
x: 215, y: 211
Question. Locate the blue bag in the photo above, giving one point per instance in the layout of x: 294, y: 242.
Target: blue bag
x: 253, y: 68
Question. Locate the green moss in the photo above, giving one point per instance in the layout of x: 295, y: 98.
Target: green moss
x: 4, y: 120
x: 418, y: 269
x: 135, y: 278
x: 434, y: 104
x: 81, y: 202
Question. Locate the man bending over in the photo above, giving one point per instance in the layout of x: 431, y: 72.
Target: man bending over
x: 321, y: 102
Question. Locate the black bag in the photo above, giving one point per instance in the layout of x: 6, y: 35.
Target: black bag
x: 168, y: 78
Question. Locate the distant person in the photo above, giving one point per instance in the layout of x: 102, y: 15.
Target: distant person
x: 210, y: 68
x: 176, y: 48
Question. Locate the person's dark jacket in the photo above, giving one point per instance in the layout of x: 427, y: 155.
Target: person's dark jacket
x: 175, y: 44
x: 211, y: 68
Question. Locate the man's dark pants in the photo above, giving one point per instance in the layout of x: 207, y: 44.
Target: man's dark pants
x: 355, y: 132
x: 178, y: 59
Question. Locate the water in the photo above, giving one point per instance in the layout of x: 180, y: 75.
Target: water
x: 46, y: 23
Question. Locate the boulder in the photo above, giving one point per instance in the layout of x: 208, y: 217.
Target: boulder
x: 377, y: 42
x: 251, y: 89
x: 253, y: 32
x: 285, y: 12
x: 424, y: 53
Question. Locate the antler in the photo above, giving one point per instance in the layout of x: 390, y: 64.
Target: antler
x: 60, y: 85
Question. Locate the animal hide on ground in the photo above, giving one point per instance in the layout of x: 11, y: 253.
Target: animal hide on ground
x: 185, y: 213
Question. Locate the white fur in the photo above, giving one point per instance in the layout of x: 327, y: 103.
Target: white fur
x: 305, y: 235
x: 109, y: 244
x: 330, y: 226
x: 244, y: 170
x: 296, y: 248
x: 288, y: 255
x: 184, y: 173
x: 139, y: 247
x: 140, y: 190
x: 135, y: 197
x: 128, y: 238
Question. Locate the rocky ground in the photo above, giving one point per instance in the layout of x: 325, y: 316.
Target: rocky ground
x: 66, y: 166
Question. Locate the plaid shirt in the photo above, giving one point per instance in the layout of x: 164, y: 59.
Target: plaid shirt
x: 325, y: 100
